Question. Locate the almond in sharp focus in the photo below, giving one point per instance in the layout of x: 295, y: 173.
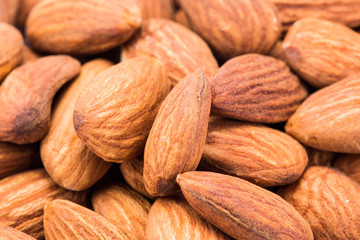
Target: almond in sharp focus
x: 350, y: 165
x: 114, y: 114
x: 9, y: 233
x: 178, y: 135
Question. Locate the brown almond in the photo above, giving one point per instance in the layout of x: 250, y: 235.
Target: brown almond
x: 319, y: 158
x: 336, y: 47
x: 25, y: 7
x: 67, y: 220
x: 4, y: 17
x: 23, y: 197
x: 9, y: 233
x: 173, y: 219
x: 157, y: 9
x: 327, y: 120
x: 12, y: 9
x: 350, y: 165
x: 62, y: 149
x: 328, y: 200
x: 181, y: 50
x: 74, y: 27
x: 178, y: 135
x: 242, y: 209
x: 277, y: 51
x: 28, y: 55
x: 114, y: 114
x: 259, y: 154
x: 180, y: 17
x: 26, y: 97
x: 256, y: 88
x: 123, y: 207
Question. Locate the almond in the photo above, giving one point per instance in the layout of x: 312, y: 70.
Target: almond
x: 233, y: 27
x: 62, y: 149
x: 67, y: 220
x: 277, y: 51
x: 4, y: 17
x: 123, y: 207
x: 327, y: 120
x: 26, y: 96
x: 180, y: 17
x: 259, y: 154
x: 24, y: 10
x: 256, y: 88
x: 350, y: 165
x: 178, y: 135
x: 74, y: 27
x: 319, y: 158
x: 28, y: 55
x: 114, y: 114
x: 336, y: 47
x: 242, y: 209
x: 157, y: 9
x: 23, y: 197
x: 328, y: 200
x: 173, y: 219
x: 12, y: 9
x: 9, y: 233
x: 181, y: 50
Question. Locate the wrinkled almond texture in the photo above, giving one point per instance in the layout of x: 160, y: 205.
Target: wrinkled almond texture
x: 319, y: 158
x: 328, y: 119
x: 81, y: 27
x: 350, y: 165
x: 69, y: 162
x: 178, y: 135
x: 242, y: 209
x: 114, y: 114
x: 328, y: 200
x: 9, y: 233
x: 157, y: 9
x: 26, y: 97
x: 24, y: 10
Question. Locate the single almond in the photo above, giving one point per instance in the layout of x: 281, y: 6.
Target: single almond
x: 4, y: 17
x: 157, y: 9
x: 25, y: 7
x: 12, y: 9
x: 9, y: 233
x: 28, y: 55
x: 319, y: 158
x: 180, y: 17
x: 277, y: 51
x: 350, y: 165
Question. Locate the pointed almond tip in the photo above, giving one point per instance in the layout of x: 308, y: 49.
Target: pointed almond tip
x: 179, y: 178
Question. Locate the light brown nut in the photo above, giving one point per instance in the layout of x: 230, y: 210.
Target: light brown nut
x: 181, y: 50
x: 350, y: 165
x: 4, y: 17
x: 62, y: 149
x: 277, y: 51
x: 26, y: 97
x: 233, y: 27
x: 157, y: 9
x: 12, y: 9
x: 322, y: 52
x: 242, y: 209
x: 174, y: 219
x: 327, y: 120
x: 11, y: 45
x: 23, y: 197
x: 113, y: 115
x: 16, y: 158
x: 256, y: 88
x: 328, y: 200
x: 123, y: 207
x: 81, y: 27
x: 9, y: 233
x: 319, y: 158
x: 259, y: 154
x: 180, y: 17
x: 28, y: 55
x: 67, y: 220
x: 25, y: 7
x: 178, y: 135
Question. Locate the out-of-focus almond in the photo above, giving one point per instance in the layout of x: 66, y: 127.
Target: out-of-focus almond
x: 350, y: 165
x: 25, y: 7
x: 9, y: 233
x: 277, y: 51
x: 4, y: 17
x: 28, y: 55
x: 12, y: 9
x: 157, y: 9
x: 180, y: 17
x: 319, y: 158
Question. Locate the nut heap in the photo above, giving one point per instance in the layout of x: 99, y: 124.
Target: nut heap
x: 180, y: 119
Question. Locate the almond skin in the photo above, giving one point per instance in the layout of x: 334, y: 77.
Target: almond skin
x: 24, y: 10
x: 123, y: 207
x: 178, y: 135
x: 4, y: 17
x: 113, y: 115
x: 23, y: 197
x: 328, y: 200
x: 9, y: 233
x: 350, y: 165
x: 181, y: 50
x: 12, y: 9
x: 67, y: 220
x: 173, y: 219
x: 242, y: 209
x: 157, y: 9
x: 73, y: 27
x: 26, y: 97
x: 256, y: 88
x: 28, y: 55
x: 320, y: 158
x: 62, y: 149
x: 244, y: 150
x: 327, y: 120
x: 336, y: 47
x: 233, y: 32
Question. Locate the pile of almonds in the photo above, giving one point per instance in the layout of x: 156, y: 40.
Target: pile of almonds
x: 227, y: 119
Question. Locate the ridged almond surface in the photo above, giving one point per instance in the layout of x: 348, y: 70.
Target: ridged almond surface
x: 123, y: 207
x: 178, y: 135
x: 328, y: 119
x: 350, y: 165
x: 16, y: 158
x: 259, y: 154
x: 234, y: 27
x: 81, y: 27
x: 113, y: 115
x: 175, y: 219
x: 69, y: 162
x: 319, y: 158
x: 256, y: 88
x: 23, y: 197
x: 25, y: 7
x: 181, y: 50
x: 68, y: 221
x: 241, y: 209
x: 9, y: 233
x: 329, y: 201
x: 26, y: 96
x: 336, y: 47
x: 157, y: 9
x: 11, y: 45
